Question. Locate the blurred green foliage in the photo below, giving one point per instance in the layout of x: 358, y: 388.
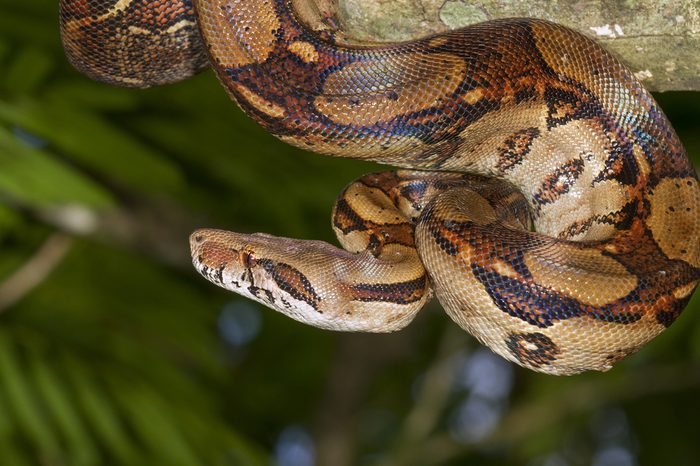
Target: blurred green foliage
x: 121, y: 355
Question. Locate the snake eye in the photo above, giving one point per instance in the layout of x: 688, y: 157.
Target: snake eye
x: 247, y: 259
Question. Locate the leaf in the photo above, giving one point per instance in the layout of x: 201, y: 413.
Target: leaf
x: 62, y: 408
x: 24, y: 403
x: 89, y: 140
x: 27, y: 21
x: 9, y: 449
x: 4, y: 50
x: 8, y: 218
x: 154, y: 423
x: 99, y: 411
x: 29, y: 68
x: 234, y: 449
x: 93, y: 95
x: 33, y: 177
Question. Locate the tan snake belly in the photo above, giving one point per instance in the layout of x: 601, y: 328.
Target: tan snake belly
x: 545, y: 198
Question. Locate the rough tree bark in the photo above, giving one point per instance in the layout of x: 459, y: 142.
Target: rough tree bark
x: 659, y: 40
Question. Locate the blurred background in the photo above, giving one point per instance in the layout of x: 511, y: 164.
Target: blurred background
x: 114, y: 351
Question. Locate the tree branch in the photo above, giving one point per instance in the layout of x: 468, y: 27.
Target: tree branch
x: 35, y: 270
x: 658, y: 40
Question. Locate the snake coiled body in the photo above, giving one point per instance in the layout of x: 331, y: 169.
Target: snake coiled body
x: 544, y: 197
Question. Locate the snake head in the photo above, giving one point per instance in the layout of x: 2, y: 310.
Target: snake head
x: 312, y: 281
x: 258, y: 266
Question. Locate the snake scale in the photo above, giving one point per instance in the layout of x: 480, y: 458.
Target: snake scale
x: 542, y: 195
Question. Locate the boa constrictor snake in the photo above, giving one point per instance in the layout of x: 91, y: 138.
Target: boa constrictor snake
x: 544, y: 197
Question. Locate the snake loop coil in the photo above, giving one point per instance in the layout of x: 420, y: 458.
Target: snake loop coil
x: 544, y: 198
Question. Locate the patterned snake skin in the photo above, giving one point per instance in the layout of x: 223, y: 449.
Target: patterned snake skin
x: 546, y: 200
